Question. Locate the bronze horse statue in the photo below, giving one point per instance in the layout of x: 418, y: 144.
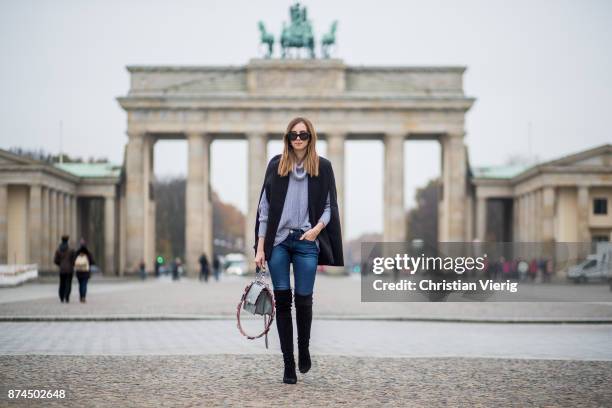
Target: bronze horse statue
x: 266, y: 38
x: 329, y: 39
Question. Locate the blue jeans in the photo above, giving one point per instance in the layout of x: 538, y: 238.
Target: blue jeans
x: 83, y: 277
x: 304, y: 255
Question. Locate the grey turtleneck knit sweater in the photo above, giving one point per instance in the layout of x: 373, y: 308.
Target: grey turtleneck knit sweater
x: 295, y: 209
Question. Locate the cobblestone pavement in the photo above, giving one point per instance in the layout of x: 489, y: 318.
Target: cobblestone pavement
x: 334, y: 297
x: 328, y: 337
x: 255, y: 381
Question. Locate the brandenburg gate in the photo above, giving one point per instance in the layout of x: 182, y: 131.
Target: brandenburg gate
x: 255, y: 102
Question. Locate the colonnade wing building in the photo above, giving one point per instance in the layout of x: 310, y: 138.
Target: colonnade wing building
x: 562, y: 200
x: 40, y: 202
x: 254, y: 103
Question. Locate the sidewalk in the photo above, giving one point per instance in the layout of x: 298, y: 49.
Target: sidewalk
x: 328, y: 337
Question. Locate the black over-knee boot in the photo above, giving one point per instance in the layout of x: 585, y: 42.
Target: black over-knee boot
x: 284, y: 324
x: 303, y: 316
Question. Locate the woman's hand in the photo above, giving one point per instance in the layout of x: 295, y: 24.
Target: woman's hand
x: 260, y: 256
x: 260, y: 259
x: 312, y: 233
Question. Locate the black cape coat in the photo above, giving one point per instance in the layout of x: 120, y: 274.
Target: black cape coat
x: 275, y: 188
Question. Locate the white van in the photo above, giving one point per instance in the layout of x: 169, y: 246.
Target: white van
x: 595, y: 267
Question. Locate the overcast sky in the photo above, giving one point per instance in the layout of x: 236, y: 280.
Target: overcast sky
x: 548, y: 63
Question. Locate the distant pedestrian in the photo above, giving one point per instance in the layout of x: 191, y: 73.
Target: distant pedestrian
x: 175, y: 268
x: 83, y: 261
x: 158, y: 265
x: 533, y: 270
x: 542, y: 269
x: 216, y: 267
x: 549, y: 269
x: 204, y: 267
x: 64, y: 258
x: 143, y: 271
x: 506, y: 268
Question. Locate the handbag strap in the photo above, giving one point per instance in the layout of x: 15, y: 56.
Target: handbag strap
x: 268, y: 319
x: 261, y: 274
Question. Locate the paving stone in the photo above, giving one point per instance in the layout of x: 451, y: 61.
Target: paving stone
x: 255, y: 381
x: 355, y: 338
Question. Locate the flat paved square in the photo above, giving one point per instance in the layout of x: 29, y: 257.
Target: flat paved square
x: 333, y: 297
x: 176, y: 344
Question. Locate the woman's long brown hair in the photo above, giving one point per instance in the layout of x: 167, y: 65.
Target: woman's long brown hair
x: 288, y: 158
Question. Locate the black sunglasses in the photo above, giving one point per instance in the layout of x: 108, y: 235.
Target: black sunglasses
x: 294, y: 135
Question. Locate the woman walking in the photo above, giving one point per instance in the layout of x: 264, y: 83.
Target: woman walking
x: 82, y: 265
x: 297, y: 222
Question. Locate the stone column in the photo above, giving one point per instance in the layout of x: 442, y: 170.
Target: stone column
x: 518, y: 218
x: 198, y: 224
x: 53, y: 238
x: 67, y: 215
x: 470, y: 209
x: 515, y: 219
x: 548, y: 214
x: 56, y: 219
x: 137, y: 198
x: 538, y: 215
x: 149, y: 175
x: 335, y: 153
x: 73, y: 219
x: 481, y: 218
x: 583, y: 214
x: 59, y: 209
x: 525, y: 213
x: 521, y: 231
x: 122, y: 234
x: 526, y: 207
x: 454, y: 188
x: 528, y: 218
x: 393, y: 204
x: 533, y: 202
x: 257, y: 156
x: 109, y: 236
x: 535, y: 209
x: 45, y: 255
x: 35, y: 225
x: 3, y: 223
x: 151, y: 254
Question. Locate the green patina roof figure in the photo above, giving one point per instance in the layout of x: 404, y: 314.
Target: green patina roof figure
x: 298, y: 34
x: 266, y: 38
x: 329, y: 39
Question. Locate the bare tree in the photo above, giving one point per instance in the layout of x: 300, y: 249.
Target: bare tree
x: 423, y: 220
x: 228, y: 221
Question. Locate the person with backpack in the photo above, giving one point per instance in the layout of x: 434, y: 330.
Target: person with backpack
x: 82, y: 265
x: 64, y: 257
